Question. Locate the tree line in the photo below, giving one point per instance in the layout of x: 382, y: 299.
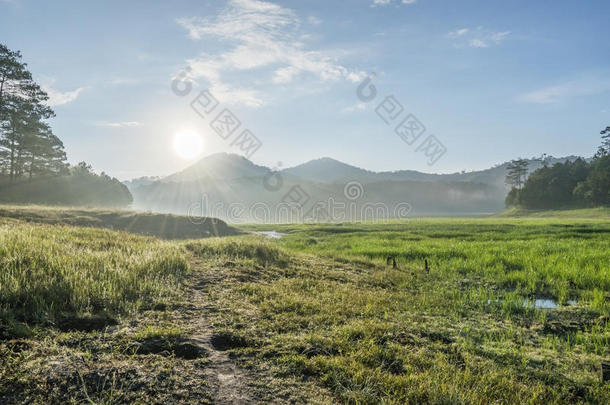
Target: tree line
x: 572, y: 184
x: 33, y: 162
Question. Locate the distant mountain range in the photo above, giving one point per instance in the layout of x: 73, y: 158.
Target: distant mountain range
x: 233, y: 188
x: 327, y: 170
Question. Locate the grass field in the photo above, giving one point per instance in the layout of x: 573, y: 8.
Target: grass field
x: 467, y: 331
x: 560, y: 259
x: 314, y: 317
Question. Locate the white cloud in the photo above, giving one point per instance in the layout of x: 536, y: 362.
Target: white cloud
x: 499, y: 36
x: 356, y: 77
x: 477, y: 38
x: 458, y: 33
x: 119, y: 124
x: 579, y: 87
x: 313, y: 20
x: 117, y: 81
x: 260, y: 35
x: 285, y: 74
x: 478, y: 43
x: 354, y: 108
x: 387, y: 2
x: 57, y: 97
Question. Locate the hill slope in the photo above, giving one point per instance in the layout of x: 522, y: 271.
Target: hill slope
x: 327, y: 170
x: 161, y: 225
x: 219, y: 166
x: 592, y: 213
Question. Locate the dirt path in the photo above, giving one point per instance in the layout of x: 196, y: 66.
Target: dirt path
x: 228, y: 381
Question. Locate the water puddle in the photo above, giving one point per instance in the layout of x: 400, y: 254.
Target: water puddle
x: 271, y: 234
x: 546, y: 303
x: 540, y: 303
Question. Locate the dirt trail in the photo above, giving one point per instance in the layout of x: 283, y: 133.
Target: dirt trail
x: 228, y: 381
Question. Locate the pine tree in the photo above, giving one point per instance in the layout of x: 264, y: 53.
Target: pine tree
x: 515, y: 178
x: 27, y: 144
x: 604, y: 149
x: 517, y: 173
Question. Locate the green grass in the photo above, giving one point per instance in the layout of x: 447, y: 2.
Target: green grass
x: 50, y: 271
x: 80, y: 281
x: 560, y: 259
x: 253, y: 251
x: 318, y: 316
x: 463, y: 333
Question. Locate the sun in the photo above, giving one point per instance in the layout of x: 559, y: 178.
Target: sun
x: 188, y: 144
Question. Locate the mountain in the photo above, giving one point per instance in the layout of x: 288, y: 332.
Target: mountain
x: 494, y: 176
x: 232, y: 188
x: 219, y: 166
x: 327, y: 170
x: 248, y: 200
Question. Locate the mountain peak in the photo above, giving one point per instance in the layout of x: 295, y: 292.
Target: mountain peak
x: 221, y: 156
x: 222, y: 165
x: 327, y: 169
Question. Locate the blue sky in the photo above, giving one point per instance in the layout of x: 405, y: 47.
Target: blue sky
x: 492, y: 80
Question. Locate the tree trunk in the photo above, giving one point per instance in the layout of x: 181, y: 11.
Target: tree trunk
x: 31, y: 167
x: 1, y: 93
x: 19, y: 166
x: 12, y: 161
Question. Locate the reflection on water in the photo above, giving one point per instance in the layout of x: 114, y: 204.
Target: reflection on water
x: 540, y: 303
x: 271, y: 234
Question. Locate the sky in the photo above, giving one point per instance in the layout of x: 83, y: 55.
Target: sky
x: 489, y: 80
